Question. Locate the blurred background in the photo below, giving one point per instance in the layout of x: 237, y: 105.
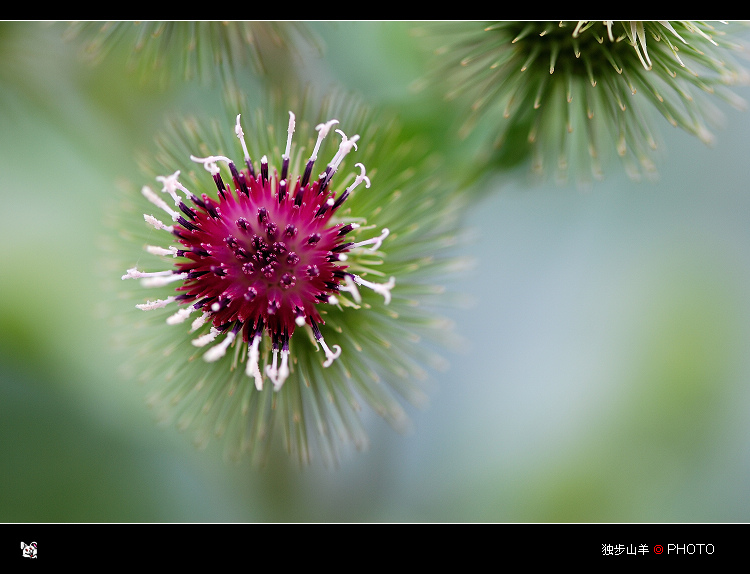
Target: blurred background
x: 604, y: 376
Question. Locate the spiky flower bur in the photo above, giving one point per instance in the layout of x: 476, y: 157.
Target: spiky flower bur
x: 575, y: 93
x: 203, y: 50
x: 293, y: 297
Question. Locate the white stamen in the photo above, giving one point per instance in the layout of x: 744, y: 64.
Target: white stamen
x: 272, y: 368
x: 149, y: 194
x: 383, y: 288
x: 135, y: 274
x: 151, y: 220
x: 278, y: 376
x: 204, y: 340
x: 154, y: 278
x: 198, y: 323
x: 252, y: 369
x: 170, y: 184
x: 375, y: 241
x: 160, y: 281
x: 345, y: 147
x: 180, y: 316
x: 158, y: 304
x: 241, y: 136
x: 218, y: 351
x: 300, y: 320
x: 156, y: 250
x: 330, y: 355
x: 209, y: 163
x: 351, y: 288
x: 332, y: 300
x: 360, y: 178
x: 323, y: 130
x: 289, y: 131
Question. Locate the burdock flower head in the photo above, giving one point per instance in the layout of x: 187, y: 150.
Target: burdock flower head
x: 205, y: 50
x: 282, y: 290
x: 571, y: 93
x: 261, y: 259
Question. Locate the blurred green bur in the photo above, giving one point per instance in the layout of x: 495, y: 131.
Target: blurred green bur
x: 605, y: 378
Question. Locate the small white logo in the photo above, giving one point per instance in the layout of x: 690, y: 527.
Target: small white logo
x: 29, y: 550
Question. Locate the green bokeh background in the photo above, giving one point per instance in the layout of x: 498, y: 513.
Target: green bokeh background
x: 604, y: 377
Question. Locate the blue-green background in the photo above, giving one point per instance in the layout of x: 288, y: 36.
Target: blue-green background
x: 604, y: 377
